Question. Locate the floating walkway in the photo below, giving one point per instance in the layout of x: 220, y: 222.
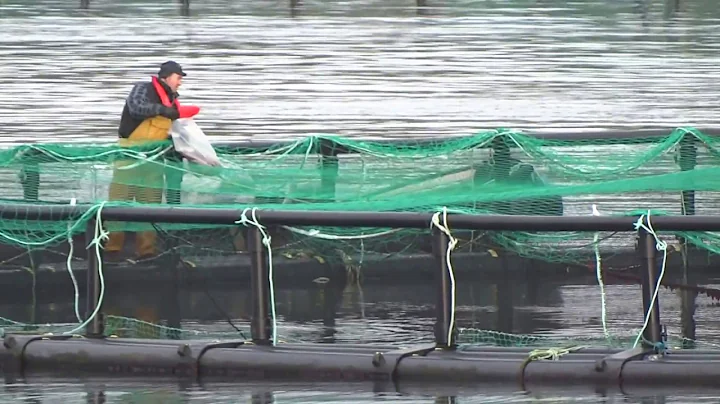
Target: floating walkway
x: 241, y: 361
x: 650, y: 363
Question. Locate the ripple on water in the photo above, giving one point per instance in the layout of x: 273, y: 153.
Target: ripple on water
x: 596, y: 66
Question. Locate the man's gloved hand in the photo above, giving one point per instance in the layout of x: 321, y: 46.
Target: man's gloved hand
x: 170, y: 113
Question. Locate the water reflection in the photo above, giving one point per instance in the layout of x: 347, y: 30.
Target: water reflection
x: 383, y: 313
x: 98, y: 390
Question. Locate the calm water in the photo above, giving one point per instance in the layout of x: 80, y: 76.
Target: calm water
x: 467, y: 66
x: 370, y: 69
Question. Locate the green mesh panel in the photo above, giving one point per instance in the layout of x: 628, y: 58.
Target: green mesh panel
x: 494, y: 172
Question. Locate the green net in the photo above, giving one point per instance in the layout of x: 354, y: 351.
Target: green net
x: 494, y: 172
x: 498, y: 171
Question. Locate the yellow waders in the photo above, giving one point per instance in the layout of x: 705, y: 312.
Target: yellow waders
x: 143, y: 183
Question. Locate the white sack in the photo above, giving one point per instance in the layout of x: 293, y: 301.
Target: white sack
x: 191, y: 142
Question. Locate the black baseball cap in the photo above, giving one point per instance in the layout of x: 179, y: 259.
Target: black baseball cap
x: 170, y: 67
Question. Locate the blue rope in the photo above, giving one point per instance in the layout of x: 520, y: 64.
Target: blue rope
x: 659, y: 347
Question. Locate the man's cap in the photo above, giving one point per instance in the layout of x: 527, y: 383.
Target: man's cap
x: 170, y: 67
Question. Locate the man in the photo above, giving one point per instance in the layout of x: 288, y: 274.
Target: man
x: 147, y: 117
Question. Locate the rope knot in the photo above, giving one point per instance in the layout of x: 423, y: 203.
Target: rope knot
x: 639, y: 223
x: 661, y: 245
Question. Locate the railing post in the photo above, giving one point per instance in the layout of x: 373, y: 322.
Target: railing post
x: 329, y: 169
x: 650, y: 275
x: 501, y: 158
x: 95, y: 328
x: 173, y: 178
x: 687, y: 160
x: 30, y: 180
x: 444, y: 330
x: 260, y: 329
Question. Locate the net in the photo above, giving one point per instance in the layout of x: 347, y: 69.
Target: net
x: 495, y: 172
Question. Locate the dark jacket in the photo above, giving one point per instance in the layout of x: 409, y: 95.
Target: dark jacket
x: 144, y: 102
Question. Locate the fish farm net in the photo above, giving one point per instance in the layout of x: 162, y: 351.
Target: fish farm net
x: 495, y: 172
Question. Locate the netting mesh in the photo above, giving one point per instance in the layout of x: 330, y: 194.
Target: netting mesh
x: 494, y: 172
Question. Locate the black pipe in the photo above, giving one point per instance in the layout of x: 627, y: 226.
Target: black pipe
x: 339, y: 362
x: 172, y: 214
x: 444, y: 330
x: 95, y: 328
x: 260, y: 288
x: 650, y: 274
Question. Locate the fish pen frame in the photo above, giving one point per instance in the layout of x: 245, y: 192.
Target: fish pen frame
x: 439, y: 361
x: 328, y: 150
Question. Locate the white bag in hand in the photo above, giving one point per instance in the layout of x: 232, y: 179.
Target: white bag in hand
x: 191, y: 142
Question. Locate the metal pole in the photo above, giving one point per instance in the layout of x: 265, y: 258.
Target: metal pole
x: 30, y: 180
x: 650, y: 275
x: 95, y: 328
x: 260, y: 284
x: 329, y: 169
x: 687, y: 160
x: 444, y: 330
x: 173, y: 178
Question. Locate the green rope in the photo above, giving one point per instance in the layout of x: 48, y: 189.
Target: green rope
x: 552, y: 353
